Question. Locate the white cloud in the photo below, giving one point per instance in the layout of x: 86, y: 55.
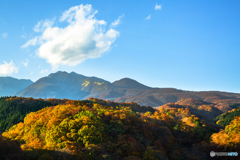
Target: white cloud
x: 8, y: 68
x: 39, y: 66
x: 158, y: 7
x: 44, y: 71
x: 4, y: 35
x: 31, y: 73
x: 148, y: 17
x: 25, y: 63
x: 84, y: 37
x: 117, y: 21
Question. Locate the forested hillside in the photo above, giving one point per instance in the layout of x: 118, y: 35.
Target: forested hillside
x: 14, y: 109
x: 98, y: 129
x: 225, y: 118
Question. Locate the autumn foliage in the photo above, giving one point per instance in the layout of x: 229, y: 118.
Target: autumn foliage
x: 97, y: 129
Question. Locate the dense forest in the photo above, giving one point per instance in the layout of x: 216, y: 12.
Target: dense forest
x: 97, y: 129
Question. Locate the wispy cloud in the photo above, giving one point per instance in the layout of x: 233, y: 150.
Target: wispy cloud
x: 25, y: 63
x: 148, y: 17
x: 4, y: 35
x: 117, y: 21
x: 32, y: 42
x: 158, y: 7
x: 44, y: 71
x: 42, y: 25
x: 24, y: 36
x: 83, y: 38
x: 8, y: 68
x: 31, y: 73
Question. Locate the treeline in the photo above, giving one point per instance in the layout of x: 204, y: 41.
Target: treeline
x: 133, y: 105
x: 14, y: 109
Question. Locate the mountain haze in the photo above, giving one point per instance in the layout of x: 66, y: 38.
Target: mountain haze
x: 9, y: 86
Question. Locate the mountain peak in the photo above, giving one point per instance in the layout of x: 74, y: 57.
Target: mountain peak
x: 77, y: 75
x: 58, y: 73
x: 129, y: 83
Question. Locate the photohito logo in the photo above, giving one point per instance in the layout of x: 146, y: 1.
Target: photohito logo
x: 212, y: 153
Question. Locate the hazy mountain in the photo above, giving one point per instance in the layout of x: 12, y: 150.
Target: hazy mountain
x: 77, y: 86
x: 9, y: 86
x: 65, y: 85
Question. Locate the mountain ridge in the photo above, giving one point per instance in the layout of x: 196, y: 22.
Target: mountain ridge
x: 77, y: 87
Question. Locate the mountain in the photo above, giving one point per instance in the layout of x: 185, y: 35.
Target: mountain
x: 76, y: 86
x: 9, y: 86
x: 65, y: 85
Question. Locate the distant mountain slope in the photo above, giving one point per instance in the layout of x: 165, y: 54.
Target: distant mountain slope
x: 9, y: 86
x: 76, y: 86
x: 161, y: 96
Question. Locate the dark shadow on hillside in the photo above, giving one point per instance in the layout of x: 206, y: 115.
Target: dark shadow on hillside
x: 198, y: 143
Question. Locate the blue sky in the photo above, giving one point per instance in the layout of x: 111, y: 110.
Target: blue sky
x: 189, y: 45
